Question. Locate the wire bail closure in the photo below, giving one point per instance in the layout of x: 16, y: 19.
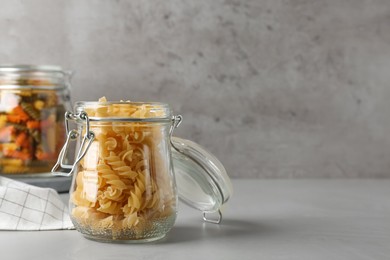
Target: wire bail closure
x: 72, y: 135
x: 176, y: 121
x: 213, y: 221
x: 61, y: 167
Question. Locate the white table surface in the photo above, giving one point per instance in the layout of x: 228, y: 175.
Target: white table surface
x: 265, y: 219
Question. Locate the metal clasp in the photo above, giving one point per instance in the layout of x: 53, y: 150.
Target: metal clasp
x: 176, y: 121
x: 72, y: 135
x: 214, y: 221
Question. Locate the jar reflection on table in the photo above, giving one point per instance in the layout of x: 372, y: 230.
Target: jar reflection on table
x: 33, y: 100
x: 123, y: 188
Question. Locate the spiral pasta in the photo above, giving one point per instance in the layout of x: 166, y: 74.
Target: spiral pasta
x: 31, y: 127
x: 123, y: 183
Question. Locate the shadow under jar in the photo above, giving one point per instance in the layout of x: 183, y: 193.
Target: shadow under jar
x: 123, y: 187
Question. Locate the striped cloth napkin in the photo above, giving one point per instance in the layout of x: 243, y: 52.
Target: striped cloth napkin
x: 27, y: 207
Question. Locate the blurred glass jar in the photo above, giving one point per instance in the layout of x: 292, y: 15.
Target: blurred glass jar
x: 33, y: 101
x: 124, y: 187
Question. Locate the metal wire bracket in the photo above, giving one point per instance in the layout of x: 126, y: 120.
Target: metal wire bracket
x: 72, y: 135
x: 214, y: 221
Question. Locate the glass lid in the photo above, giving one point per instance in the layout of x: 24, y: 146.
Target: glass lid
x: 202, y: 181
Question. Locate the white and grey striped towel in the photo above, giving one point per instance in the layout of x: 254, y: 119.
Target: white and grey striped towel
x: 27, y: 207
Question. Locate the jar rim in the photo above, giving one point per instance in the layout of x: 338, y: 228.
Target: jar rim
x: 32, y: 68
x: 139, y: 103
x: 28, y: 76
x: 163, y: 112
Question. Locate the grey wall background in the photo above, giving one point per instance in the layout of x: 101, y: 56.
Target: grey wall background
x: 274, y: 88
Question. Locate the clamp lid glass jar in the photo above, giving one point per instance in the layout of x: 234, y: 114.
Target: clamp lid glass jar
x: 123, y: 186
x: 33, y: 100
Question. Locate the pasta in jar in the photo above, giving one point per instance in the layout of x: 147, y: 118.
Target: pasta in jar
x: 124, y: 188
x: 33, y: 101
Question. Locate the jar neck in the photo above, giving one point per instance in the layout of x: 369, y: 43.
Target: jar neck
x: 125, y: 111
x: 34, y: 77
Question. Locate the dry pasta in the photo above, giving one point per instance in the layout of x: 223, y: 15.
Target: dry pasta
x: 123, y: 186
x: 31, y: 129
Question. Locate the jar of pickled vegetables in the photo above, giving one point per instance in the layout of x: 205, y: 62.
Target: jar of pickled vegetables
x: 124, y: 186
x: 33, y: 101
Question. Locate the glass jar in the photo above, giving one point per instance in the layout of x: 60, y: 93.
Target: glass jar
x: 123, y: 187
x: 33, y: 100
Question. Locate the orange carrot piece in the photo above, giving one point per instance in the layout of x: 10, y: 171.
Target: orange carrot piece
x: 17, y: 154
x: 14, y: 119
x: 33, y: 124
x: 18, y: 110
x: 44, y: 156
x: 21, y: 138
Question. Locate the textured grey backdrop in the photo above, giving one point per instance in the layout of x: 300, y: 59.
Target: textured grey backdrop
x: 274, y: 88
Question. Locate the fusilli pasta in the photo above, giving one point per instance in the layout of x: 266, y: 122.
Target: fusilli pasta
x: 124, y: 183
